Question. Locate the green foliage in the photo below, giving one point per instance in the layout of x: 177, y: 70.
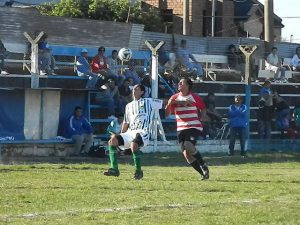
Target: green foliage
x: 117, y: 10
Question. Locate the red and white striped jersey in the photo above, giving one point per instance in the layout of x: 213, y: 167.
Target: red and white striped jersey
x: 187, y: 116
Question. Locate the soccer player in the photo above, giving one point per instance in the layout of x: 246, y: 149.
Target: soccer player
x: 186, y: 106
x: 135, y: 131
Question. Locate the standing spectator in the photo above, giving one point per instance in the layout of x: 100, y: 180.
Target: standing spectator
x: 282, y: 113
x: 184, y: 57
x: 186, y: 107
x: 3, y: 55
x: 274, y: 64
x: 238, y: 122
x: 265, y: 111
x: 296, y: 115
x: 99, y: 62
x: 214, y: 118
x: 80, y: 130
x: 83, y: 68
x: 135, y: 131
x: 131, y: 73
x: 296, y: 60
x: 114, y: 67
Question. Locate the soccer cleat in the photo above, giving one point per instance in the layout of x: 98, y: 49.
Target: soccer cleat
x: 112, y: 172
x: 205, y: 172
x: 138, y: 174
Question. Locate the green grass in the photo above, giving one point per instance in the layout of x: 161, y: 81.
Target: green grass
x: 263, y: 189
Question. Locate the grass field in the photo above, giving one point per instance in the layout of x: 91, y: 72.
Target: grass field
x: 262, y: 189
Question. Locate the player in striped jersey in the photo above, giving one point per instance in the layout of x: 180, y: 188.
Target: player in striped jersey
x: 135, y: 130
x: 186, y: 106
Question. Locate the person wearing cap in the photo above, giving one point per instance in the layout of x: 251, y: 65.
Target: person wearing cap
x: 131, y: 73
x: 238, y: 122
x: 83, y: 68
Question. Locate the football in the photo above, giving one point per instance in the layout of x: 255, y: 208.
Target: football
x: 125, y: 54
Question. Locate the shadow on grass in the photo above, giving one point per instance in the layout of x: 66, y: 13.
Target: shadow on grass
x: 162, y: 159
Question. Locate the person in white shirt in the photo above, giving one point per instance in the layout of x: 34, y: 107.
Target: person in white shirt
x: 274, y: 64
x: 296, y: 60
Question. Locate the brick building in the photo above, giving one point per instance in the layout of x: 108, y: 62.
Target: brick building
x: 231, y: 18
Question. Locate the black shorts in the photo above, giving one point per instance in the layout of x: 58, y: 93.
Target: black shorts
x: 190, y: 135
x: 138, y: 140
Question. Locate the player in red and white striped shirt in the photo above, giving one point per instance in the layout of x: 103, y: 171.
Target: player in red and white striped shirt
x: 187, y: 106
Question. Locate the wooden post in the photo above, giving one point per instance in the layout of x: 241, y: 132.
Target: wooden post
x: 34, y: 59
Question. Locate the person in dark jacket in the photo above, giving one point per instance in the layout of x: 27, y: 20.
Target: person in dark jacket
x: 80, y: 130
x: 238, y: 122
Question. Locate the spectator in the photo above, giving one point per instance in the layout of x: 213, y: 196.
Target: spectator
x: 296, y: 115
x: 235, y: 60
x: 125, y: 93
x: 238, y: 122
x: 83, y: 68
x: 282, y: 113
x: 3, y: 55
x: 296, y: 60
x: 46, y: 59
x: 80, y: 130
x: 99, y: 62
x: 109, y: 96
x: 265, y: 111
x: 115, y: 125
x: 171, y: 80
x: 131, y: 73
x: 184, y: 57
x: 274, y: 64
x: 114, y: 67
x: 214, y: 118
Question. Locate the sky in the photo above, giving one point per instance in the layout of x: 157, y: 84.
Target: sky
x: 288, y: 8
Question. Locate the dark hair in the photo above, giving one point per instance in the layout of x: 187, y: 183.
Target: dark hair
x: 113, y: 51
x: 183, y: 42
x: 210, y: 94
x: 189, y: 82
x: 100, y: 48
x: 274, y: 48
x: 142, y: 87
x: 239, y: 97
x: 231, y: 46
x: 77, y: 107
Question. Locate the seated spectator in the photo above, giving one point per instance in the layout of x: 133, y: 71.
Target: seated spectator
x: 184, y: 57
x: 171, y: 80
x: 99, y: 62
x: 282, y: 113
x: 3, y: 55
x: 109, y: 96
x: 214, y: 118
x: 265, y: 111
x: 114, y: 68
x: 238, y: 122
x: 46, y: 59
x: 235, y: 60
x: 296, y: 116
x: 80, y: 130
x: 296, y: 60
x: 83, y: 68
x: 274, y: 64
x: 115, y: 125
x: 131, y: 73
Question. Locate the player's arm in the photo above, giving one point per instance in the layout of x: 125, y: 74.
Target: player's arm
x: 124, y: 127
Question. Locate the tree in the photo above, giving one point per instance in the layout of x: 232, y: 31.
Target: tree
x: 117, y: 10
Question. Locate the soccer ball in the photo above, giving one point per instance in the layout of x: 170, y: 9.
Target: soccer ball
x: 125, y: 54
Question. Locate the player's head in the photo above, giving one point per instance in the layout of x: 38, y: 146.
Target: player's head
x: 138, y: 91
x: 185, y: 85
x: 78, y: 111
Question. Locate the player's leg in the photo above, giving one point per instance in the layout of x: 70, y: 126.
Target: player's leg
x: 113, y: 143
x: 135, y: 145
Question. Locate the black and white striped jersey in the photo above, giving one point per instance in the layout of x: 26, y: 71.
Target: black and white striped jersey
x: 138, y: 113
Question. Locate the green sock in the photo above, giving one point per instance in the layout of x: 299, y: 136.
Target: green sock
x: 113, y: 157
x: 137, y: 160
